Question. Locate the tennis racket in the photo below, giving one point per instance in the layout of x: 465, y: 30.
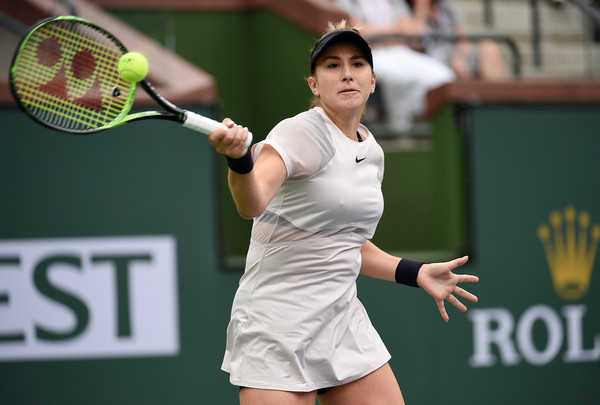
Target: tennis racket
x: 64, y: 75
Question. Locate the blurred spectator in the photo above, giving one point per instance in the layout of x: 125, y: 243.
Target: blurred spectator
x: 469, y: 60
x: 403, y: 75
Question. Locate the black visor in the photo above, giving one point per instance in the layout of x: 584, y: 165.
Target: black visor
x: 336, y: 37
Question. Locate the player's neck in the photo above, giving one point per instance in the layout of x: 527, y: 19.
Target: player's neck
x: 348, y: 124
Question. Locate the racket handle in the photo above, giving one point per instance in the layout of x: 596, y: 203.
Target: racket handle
x: 205, y: 125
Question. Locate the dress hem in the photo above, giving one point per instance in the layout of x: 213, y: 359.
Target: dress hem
x: 309, y: 388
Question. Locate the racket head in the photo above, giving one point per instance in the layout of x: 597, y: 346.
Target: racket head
x: 64, y: 75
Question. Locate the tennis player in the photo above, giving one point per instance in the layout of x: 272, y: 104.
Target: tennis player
x: 313, y: 187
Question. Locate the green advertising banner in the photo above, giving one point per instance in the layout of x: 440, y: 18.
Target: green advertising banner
x: 535, y: 227
x: 110, y: 289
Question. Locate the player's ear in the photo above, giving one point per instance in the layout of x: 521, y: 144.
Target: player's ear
x: 373, y: 82
x: 312, y: 84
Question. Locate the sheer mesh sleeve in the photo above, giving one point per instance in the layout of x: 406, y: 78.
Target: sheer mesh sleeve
x: 303, y: 143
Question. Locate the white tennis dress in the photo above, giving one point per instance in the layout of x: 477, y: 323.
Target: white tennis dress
x: 296, y: 322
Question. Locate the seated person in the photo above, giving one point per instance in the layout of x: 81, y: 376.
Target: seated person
x: 480, y: 60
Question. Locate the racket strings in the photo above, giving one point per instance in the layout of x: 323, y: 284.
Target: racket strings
x: 67, y: 76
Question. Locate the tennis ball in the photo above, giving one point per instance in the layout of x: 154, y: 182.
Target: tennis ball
x: 133, y: 67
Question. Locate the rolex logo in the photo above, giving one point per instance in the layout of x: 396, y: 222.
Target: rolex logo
x: 570, y: 246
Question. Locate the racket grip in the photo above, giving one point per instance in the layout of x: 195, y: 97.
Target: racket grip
x: 206, y: 125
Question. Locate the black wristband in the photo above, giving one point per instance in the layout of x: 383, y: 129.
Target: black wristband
x: 243, y: 165
x: 407, y: 272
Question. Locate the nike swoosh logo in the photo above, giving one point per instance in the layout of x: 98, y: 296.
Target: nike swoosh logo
x: 359, y: 160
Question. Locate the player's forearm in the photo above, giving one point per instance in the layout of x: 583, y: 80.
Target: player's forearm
x: 377, y: 263
x: 253, y: 190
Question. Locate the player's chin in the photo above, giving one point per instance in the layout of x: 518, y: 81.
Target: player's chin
x: 353, y: 104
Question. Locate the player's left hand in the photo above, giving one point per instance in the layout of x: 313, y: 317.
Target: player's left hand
x: 441, y: 283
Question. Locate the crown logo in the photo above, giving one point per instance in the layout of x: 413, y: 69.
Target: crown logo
x: 570, y: 246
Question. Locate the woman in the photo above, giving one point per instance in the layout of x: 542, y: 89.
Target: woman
x: 480, y: 60
x: 297, y: 328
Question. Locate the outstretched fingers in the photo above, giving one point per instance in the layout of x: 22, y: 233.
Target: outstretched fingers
x: 465, y: 294
x: 455, y: 301
x: 442, y: 309
x: 458, y: 262
x: 452, y: 300
x: 439, y: 280
x: 466, y: 278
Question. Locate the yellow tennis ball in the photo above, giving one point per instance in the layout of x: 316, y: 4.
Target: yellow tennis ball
x: 133, y: 67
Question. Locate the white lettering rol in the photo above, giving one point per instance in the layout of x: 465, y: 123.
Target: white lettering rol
x: 494, y: 327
